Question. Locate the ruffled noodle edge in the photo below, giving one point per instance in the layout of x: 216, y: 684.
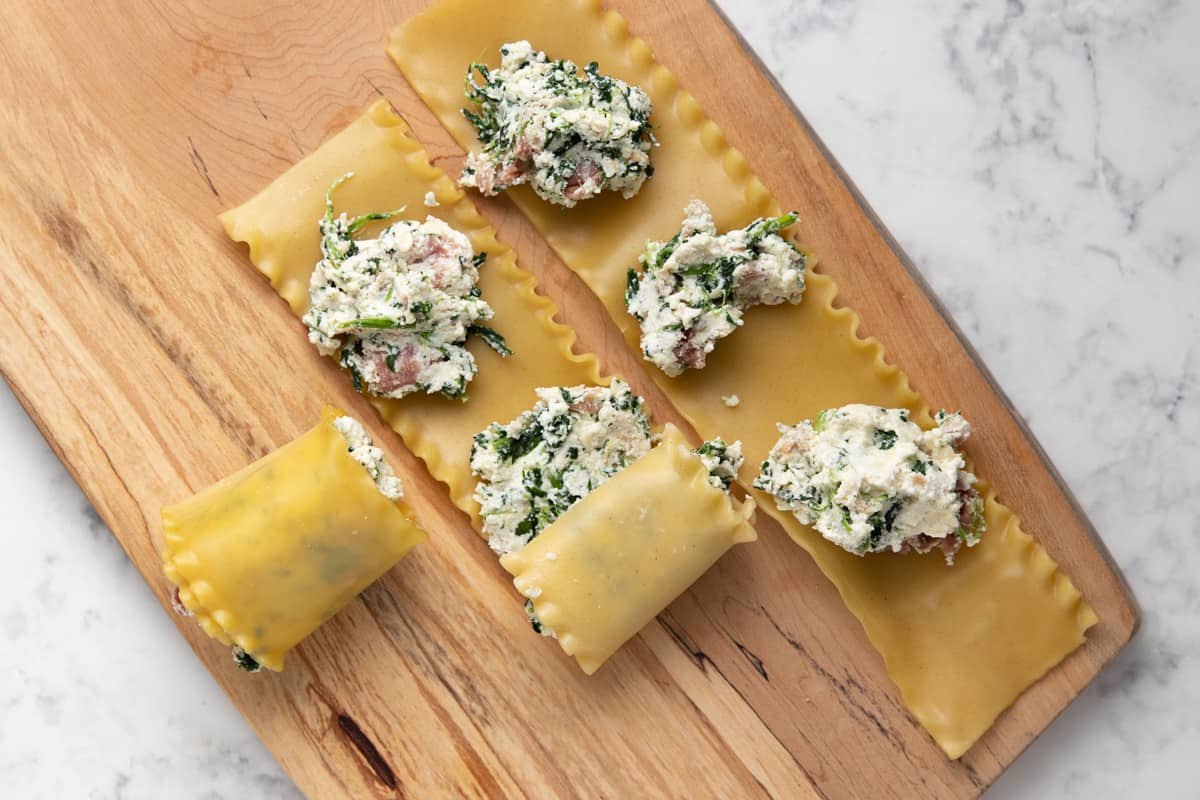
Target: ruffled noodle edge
x: 239, y: 228
x: 197, y: 596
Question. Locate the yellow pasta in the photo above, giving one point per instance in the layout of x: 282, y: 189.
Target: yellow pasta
x: 961, y: 642
x: 265, y: 556
x: 391, y: 170
x: 615, y: 559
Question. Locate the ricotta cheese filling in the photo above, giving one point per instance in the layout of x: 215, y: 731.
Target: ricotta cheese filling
x: 397, y: 309
x: 540, y: 464
x: 569, y: 134
x: 550, y: 457
x: 721, y: 460
x: 364, y: 451
x: 869, y: 479
x: 694, y: 288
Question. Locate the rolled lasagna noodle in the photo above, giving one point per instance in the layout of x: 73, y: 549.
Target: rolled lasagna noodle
x: 391, y: 170
x: 960, y: 643
x: 263, y: 557
x: 605, y: 568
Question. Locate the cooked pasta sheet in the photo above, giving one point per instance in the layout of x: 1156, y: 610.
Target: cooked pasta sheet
x: 961, y: 642
x: 265, y: 556
x: 391, y: 170
x: 619, y: 556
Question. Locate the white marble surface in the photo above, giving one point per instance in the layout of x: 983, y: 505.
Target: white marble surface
x: 1040, y: 161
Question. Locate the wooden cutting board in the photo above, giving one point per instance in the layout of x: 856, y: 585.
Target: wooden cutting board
x: 154, y: 359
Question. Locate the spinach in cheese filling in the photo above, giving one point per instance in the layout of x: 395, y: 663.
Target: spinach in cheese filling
x: 570, y: 135
x: 695, y: 288
x: 721, y: 460
x: 537, y: 466
x: 869, y: 479
x: 574, y: 439
x: 397, y: 309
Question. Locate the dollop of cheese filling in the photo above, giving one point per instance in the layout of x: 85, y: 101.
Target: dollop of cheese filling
x: 540, y: 464
x: 721, y: 460
x: 569, y: 134
x: 869, y: 479
x: 573, y: 439
x: 364, y: 451
x: 397, y: 309
x: 694, y: 288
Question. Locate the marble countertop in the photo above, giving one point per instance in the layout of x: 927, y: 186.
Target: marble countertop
x: 1040, y: 162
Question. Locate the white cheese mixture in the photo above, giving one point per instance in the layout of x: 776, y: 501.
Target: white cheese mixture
x: 695, y: 288
x: 869, y: 479
x: 540, y: 464
x: 398, y: 308
x: 364, y: 451
x: 731, y: 400
x: 721, y: 460
x: 431, y: 200
x: 546, y: 460
x: 568, y: 134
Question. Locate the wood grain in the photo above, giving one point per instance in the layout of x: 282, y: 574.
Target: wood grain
x: 154, y: 359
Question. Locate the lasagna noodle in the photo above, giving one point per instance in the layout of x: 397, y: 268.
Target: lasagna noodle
x: 265, y: 556
x: 960, y: 643
x: 391, y: 170
x: 605, y: 568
